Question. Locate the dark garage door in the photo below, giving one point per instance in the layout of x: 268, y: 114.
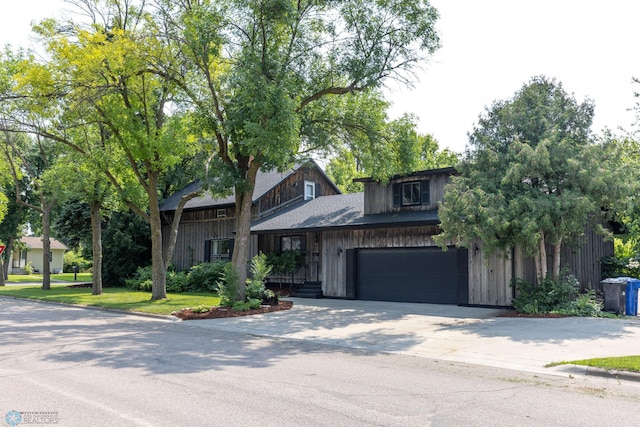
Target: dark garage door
x: 427, y: 275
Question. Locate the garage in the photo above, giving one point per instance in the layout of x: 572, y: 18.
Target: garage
x: 422, y: 275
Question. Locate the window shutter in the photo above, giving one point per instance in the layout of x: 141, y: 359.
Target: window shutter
x: 207, y: 250
x: 303, y: 243
x: 278, y: 244
x: 424, y: 190
x: 397, y: 194
x: 231, y: 244
x: 318, y: 190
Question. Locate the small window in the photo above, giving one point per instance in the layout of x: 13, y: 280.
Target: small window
x: 221, y: 213
x: 309, y: 190
x: 411, y: 193
x: 50, y: 256
x: 291, y: 243
x: 220, y: 249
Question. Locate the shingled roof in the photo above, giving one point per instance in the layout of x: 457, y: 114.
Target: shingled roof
x: 35, y: 242
x: 339, y: 211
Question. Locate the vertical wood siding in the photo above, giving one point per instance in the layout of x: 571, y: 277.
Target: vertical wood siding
x: 378, y: 198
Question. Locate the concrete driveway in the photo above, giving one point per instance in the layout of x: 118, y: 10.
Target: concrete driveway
x: 462, y: 334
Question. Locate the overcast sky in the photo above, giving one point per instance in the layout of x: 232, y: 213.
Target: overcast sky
x: 490, y: 48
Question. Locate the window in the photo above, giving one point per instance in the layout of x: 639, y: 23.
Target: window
x: 221, y: 213
x: 291, y: 243
x: 50, y: 256
x: 411, y: 193
x: 218, y: 249
x: 309, y: 190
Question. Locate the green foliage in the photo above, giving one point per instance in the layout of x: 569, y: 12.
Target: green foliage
x: 245, y: 305
x: 127, y: 245
x: 228, y: 286
x: 286, y: 263
x: 556, y: 296
x: 531, y: 174
x: 259, y: 269
x: 28, y: 268
x: 205, y: 276
x: 202, y: 308
x: 141, y: 276
x: 74, y: 259
x: 177, y: 282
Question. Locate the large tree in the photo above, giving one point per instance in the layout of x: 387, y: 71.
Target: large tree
x: 401, y: 149
x: 100, y: 94
x: 268, y: 77
x: 532, y: 176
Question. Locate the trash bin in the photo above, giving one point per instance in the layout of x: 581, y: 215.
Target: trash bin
x: 631, y: 305
x: 615, y: 294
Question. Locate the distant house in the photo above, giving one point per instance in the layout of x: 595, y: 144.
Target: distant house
x: 32, y: 253
x: 376, y: 245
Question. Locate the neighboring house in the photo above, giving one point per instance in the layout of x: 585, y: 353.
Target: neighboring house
x: 33, y: 254
x: 378, y: 245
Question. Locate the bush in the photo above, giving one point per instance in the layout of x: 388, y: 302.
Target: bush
x: 288, y: 262
x: 177, y: 282
x: 204, y: 277
x: 74, y: 259
x: 259, y: 271
x: 228, y: 286
x: 546, y: 297
x: 141, y: 276
x: 246, y: 306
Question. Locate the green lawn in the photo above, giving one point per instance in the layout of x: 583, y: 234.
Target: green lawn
x: 115, y: 298
x: 63, y: 277
x: 623, y: 363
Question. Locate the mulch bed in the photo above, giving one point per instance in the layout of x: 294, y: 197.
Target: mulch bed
x: 223, y: 312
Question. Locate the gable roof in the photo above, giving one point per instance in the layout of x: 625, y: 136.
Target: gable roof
x: 35, y: 242
x: 265, y: 181
x: 339, y: 211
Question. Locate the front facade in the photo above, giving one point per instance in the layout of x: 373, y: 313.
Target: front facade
x: 33, y: 254
x: 378, y: 245
x: 207, y: 226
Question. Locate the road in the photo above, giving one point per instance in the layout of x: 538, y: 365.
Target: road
x: 87, y: 367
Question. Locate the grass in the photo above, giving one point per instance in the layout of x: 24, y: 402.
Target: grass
x: 113, y: 298
x: 64, y: 277
x: 622, y: 363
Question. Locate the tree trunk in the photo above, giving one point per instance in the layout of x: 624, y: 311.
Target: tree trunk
x: 46, y: 246
x: 542, y: 266
x: 242, y: 246
x: 2, y: 280
x: 175, y: 225
x: 7, y: 251
x: 96, y: 237
x: 158, y: 268
x: 557, y: 246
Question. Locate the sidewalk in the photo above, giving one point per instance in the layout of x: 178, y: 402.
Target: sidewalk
x: 461, y: 334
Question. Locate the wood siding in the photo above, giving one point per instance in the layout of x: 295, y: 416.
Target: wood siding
x: 198, y: 225
x: 378, y: 198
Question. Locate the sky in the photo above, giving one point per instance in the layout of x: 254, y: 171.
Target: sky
x: 490, y: 49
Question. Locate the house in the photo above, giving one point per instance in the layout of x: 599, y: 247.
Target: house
x: 32, y: 254
x: 378, y: 245
x: 207, y: 224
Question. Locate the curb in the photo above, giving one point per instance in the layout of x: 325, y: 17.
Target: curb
x: 590, y: 371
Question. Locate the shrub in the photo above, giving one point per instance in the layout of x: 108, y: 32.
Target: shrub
x: 73, y: 259
x: 28, y: 268
x: 140, y: 277
x: 259, y: 271
x: 548, y: 296
x: 246, y: 306
x: 228, y: 285
x: 204, y: 277
x: 288, y: 262
x: 177, y: 282
x: 201, y: 309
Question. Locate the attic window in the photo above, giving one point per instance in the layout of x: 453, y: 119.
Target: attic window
x: 309, y: 190
x: 221, y: 213
x: 411, y: 193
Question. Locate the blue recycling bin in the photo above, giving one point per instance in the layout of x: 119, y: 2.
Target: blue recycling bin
x: 631, y: 303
